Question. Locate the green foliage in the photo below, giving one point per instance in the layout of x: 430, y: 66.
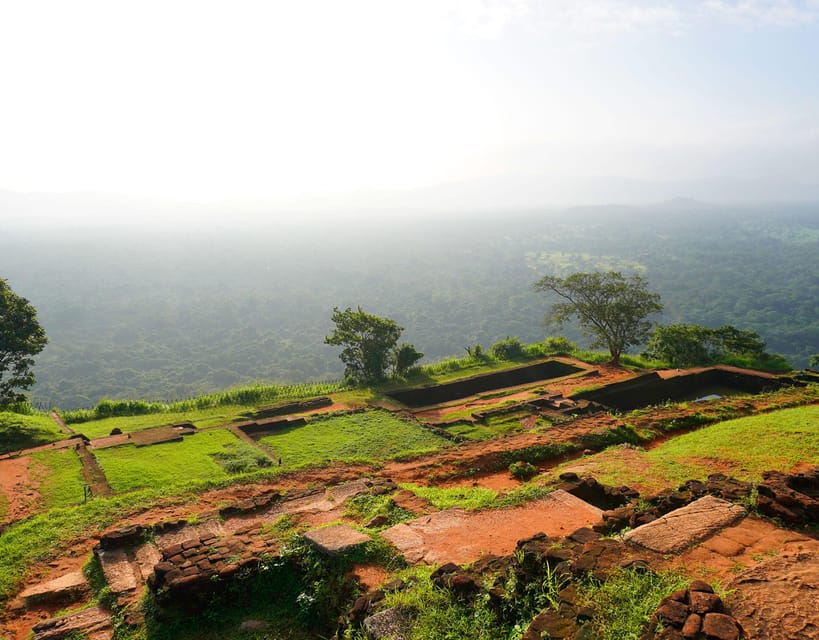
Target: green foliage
x: 469, y: 498
x: 510, y: 348
x: 610, y: 308
x: 174, y: 465
x: 58, y: 474
x: 365, y: 507
x: 405, y: 358
x: 369, y: 344
x: 814, y: 360
x: 369, y: 436
x: 552, y: 346
x: 522, y: 470
x: 240, y: 396
x: 688, y: 345
x: 625, y: 602
x: 21, y: 338
x: 239, y: 458
x: 19, y: 431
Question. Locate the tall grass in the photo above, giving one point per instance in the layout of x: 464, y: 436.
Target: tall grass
x: 239, y: 396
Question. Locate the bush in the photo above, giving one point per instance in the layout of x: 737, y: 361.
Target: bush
x: 552, y: 346
x: 510, y: 348
x: 522, y: 470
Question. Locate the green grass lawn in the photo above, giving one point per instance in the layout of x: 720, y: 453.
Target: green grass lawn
x: 172, y: 464
x: 368, y: 436
x: 742, y: 448
x: 59, y: 474
x: 202, y: 418
x: 19, y: 431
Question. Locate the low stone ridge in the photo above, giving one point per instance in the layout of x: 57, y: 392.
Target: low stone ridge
x: 686, y: 526
x: 778, y: 598
x: 336, y: 540
x: 792, y: 498
x: 601, y: 496
x: 696, y: 613
x: 93, y: 623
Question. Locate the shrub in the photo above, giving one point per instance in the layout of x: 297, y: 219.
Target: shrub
x: 509, y: 348
x: 522, y: 470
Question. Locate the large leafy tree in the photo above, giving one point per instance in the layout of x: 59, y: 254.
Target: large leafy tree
x: 370, y: 345
x: 611, y: 308
x: 21, y: 338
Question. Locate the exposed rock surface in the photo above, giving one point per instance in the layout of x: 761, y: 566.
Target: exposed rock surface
x: 66, y: 588
x: 334, y: 541
x: 779, y: 598
x: 93, y: 623
x: 686, y: 526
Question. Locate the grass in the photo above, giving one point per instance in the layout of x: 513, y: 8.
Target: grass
x: 625, y: 602
x: 173, y: 464
x: 59, y: 475
x: 18, y: 431
x: 242, y: 396
x: 202, y: 418
x: 475, y: 498
x: 370, y: 436
x: 742, y: 448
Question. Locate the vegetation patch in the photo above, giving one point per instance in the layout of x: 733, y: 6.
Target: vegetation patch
x: 208, y: 455
x: 18, y: 431
x: 58, y: 474
x: 625, y: 602
x: 364, y: 507
x: 369, y: 436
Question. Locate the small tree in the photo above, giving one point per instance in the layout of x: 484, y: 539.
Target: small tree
x: 405, y: 357
x: 21, y: 338
x: 611, y: 309
x: 369, y: 345
x: 814, y: 360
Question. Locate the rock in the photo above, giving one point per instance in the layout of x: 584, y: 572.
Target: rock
x: 672, y: 612
x: 336, y: 540
x: 253, y: 625
x: 703, y: 603
x: 550, y: 624
x: 377, y: 521
x: 67, y: 588
x: 93, y: 622
x: 700, y: 585
x: 686, y: 526
x: 718, y: 626
x: 390, y: 624
x: 692, y: 626
x: 122, y: 537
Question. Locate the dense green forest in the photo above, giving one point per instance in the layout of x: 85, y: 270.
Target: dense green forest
x: 164, y: 314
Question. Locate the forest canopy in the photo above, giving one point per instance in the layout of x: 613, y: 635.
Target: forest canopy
x: 150, y: 313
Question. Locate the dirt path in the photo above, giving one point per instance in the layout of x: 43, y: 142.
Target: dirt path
x: 15, y: 484
x: 56, y: 418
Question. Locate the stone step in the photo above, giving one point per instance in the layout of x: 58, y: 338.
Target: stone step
x: 93, y: 623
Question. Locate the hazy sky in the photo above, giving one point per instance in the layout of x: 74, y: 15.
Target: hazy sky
x: 208, y: 100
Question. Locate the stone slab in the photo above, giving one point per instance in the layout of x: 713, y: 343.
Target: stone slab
x: 336, y: 540
x: 147, y: 556
x: 459, y: 536
x: 119, y: 573
x: 93, y: 623
x: 687, y: 526
x: 67, y: 587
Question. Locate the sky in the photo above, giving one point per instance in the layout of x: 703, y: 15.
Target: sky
x: 211, y: 101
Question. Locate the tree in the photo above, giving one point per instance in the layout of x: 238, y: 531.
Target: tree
x: 611, y: 309
x: 21, y: 338
x: 405, y: 357
x: 369, y: 345
x: 688, y: 345
x: 814, y: 360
